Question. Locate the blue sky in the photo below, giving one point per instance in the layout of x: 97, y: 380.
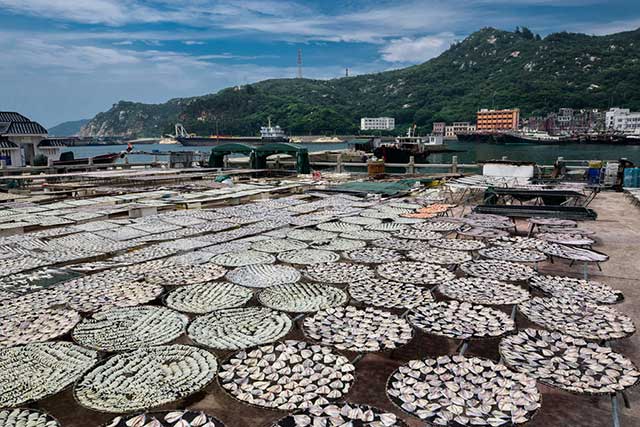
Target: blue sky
x: 69, y: 59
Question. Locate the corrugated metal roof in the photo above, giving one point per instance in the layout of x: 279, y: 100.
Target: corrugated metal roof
x: 11, y: 116
x: 5, y: 143
x: 25, y: 128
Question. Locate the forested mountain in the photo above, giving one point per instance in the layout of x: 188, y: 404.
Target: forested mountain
x: 490, y: 68
x: 67, y: 128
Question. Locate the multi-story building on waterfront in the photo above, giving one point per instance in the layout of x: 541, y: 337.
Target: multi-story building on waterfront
x: 450, y: 132
x: 622, y: 120
x: 497, y: 120
x: 439, y: 128
x: 377, y: 123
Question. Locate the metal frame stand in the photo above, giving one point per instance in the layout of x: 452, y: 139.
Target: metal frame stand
x: 357, y: 358
x: 463, y: 347
x: 615, y: 410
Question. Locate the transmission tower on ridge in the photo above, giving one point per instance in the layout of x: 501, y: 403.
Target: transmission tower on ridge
x: 299, y: 63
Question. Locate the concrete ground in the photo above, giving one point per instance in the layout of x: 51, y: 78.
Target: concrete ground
x: 618, y: 235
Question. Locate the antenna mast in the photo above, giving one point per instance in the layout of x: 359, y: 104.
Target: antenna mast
x: 299, y: 63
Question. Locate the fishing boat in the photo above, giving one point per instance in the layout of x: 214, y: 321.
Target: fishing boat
x: 481, y: 137
x: 68, y: 159
x: 404, y: 147
x: 268, y: 134
x: 531, y: 137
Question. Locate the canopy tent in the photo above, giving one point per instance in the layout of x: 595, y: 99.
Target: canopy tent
x: 301, y: 155
x: 216, y: 159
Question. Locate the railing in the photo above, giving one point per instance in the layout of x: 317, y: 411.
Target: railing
x: 412, y: 167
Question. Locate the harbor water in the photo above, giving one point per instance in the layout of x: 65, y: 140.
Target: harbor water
x: 470, y: 152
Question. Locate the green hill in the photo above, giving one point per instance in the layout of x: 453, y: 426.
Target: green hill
x: 68, y: 128
x: 490, y: 68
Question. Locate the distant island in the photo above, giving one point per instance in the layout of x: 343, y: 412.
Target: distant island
x: 490, y: 68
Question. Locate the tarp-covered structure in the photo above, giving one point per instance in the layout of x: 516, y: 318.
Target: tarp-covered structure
x: 258, y: 155
x: 216, y: 159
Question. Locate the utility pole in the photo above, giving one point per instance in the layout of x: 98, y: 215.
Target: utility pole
x: 299, y: 63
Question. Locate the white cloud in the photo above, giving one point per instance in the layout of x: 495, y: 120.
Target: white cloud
x: 414, y: 50
x: 193, y: 42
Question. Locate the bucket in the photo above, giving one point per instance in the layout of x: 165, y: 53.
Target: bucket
x: 593, y: 175
x: 375, y: 167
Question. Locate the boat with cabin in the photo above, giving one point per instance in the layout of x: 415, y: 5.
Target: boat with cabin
x: 404, y: 147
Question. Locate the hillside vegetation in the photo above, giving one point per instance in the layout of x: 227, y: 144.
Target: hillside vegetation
x: 490, y: 68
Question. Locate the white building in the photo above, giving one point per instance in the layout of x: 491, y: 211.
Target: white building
x: 377, y: 123
x: 22, y: 140
x: 622, y: 120
x: 451, y: 131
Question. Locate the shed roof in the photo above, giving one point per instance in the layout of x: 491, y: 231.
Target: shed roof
x: 12, y: 123
x: 6, y: 144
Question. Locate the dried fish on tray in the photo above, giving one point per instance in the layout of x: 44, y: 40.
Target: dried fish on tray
x: 339, y: 244
x: 308, y: 256
x: 414, y: 234
x: 459, y: 391
x: 478, y: 290
x: 374, y: 213
x: 358, y: 330
x: 414, y: 272
x: 174, y: 274
x: 46, y: 298
x: 338, y: 227
x: 207, y: 297
x: 498, y: 270
x: 440, y: 256
x: 387, y: 226
x: 35, y: 371
x: 573, y: 253
x: 373, y: 255
x: 36, y: 325
x: 338, y: 272
x: 553, y: 222
x: 341, y: 414
x: 287, y: 375
x: 489, y: 223
x: 461, y: 320
x: 576, y: 289
x: 571, y: 230
x: 508, y: 253
x: 4, y: 295
x: 438, y: 226
x: 568, y: 363
x: 22, y: 417
x: 263, y: 275
x: 131, y: 381
x: 398, y: 244
x: 89, y: 295
x: 242, y: 258
x: 302, y: 297
x: 578, y: 319
x: 516, y: 242
x: 176, y: 418
x: 22, y: 283
x: 275, y: 246
x: 239, y: 328
x: 311, y: 235
x: 389, y: 294
x: 570, y: 239
x: 130, y: 328
x: 360, y: 220
x: 458, y: 244
x: 364, y: 235
x: 483, y: 233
